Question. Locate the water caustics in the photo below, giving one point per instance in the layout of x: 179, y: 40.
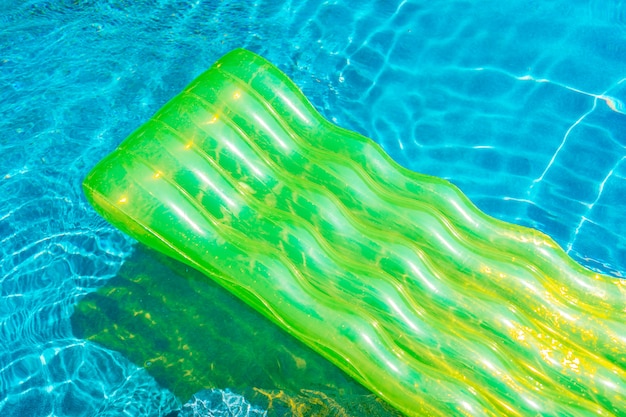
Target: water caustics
x: 394, y: 276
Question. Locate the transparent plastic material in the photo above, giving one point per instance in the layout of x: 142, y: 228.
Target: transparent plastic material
x: 393, y: 276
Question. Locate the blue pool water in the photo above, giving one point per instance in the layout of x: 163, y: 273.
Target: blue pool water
x: 519, y: 103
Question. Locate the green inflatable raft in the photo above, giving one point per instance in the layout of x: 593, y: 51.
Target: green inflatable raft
x: 393, y: 276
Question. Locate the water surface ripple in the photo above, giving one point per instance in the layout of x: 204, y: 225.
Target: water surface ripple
x: 519, y: 103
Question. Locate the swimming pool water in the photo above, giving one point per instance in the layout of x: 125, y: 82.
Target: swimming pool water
x: 520, y: 104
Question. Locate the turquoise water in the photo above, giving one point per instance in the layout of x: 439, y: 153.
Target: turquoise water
x: 520, y: 104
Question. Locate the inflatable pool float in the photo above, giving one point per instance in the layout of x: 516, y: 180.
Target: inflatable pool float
x: 393, y: 276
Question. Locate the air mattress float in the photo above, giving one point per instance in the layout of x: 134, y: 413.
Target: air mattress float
x: 393, y: 276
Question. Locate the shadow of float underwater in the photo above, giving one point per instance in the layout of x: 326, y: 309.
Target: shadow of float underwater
x: 191, y: 334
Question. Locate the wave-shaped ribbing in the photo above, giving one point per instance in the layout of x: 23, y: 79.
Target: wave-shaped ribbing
x: 393, y: 276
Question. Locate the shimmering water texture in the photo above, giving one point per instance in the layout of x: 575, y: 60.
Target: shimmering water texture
x: 393, y: 276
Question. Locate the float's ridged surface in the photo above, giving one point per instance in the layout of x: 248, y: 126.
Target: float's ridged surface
x: 394, y: 276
